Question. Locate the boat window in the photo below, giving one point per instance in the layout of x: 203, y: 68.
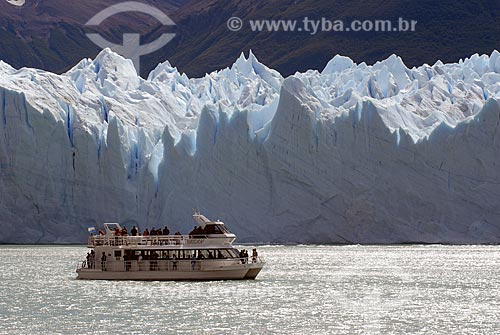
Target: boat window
x: 176, y: 253
x: 234, y: 253
x: 183, y: 254
x: 222, y: 229
x: 222, y: 253
x: 203, y: 253
x: 214, y: 229
x: 118, y: 254
x: 209, y: 229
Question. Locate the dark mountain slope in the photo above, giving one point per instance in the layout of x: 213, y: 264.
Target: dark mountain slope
x: 51, y: 34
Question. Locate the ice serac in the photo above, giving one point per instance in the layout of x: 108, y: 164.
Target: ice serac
x: 356, y: 153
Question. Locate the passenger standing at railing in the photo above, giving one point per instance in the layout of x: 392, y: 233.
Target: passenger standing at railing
x: 174, y: 262
x: 103, y: 261
x: 126, y: 259
x: 193, y: 260
x: 153, y: 232
x: 88, y: 260
x: 166, y: 231
x: 254, y: 255
x: 134, y: 231
x: 146, y: 232
x: 177, y: 237
x: 92, y: 259
x: 242, y: 256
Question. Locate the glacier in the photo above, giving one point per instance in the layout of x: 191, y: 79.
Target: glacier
x: 355, y: 153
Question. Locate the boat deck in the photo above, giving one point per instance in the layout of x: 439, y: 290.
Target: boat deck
x: 212, y: 269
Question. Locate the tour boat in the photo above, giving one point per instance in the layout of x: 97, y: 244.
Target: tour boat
x: 205, y: 254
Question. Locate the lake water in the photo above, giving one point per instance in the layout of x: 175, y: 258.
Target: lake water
x: 302, y: 290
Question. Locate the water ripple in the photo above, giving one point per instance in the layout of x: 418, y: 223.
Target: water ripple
x: 302, y: 289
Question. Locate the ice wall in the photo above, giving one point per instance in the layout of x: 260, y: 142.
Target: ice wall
x: 352, y: 154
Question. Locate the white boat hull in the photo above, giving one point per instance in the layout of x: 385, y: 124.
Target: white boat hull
x: 161, y: 270
x: 245, y: 271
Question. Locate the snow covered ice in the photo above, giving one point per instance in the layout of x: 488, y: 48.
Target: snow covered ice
x: 354, y: 153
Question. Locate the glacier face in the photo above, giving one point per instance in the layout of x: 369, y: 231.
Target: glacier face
x: 352, y: 154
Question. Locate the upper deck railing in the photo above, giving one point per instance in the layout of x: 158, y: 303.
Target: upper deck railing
x: 161, y: 240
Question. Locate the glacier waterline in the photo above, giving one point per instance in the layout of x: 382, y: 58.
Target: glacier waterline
x: 355, y: 153
x: 317, y: 289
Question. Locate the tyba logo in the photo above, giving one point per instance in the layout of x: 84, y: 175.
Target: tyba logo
x: 131, y: 47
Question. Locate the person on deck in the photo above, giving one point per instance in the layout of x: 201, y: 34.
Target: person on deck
x: 193, y: 261
x: 103, y: 261
x: 92, y: 259
x: 174, y: 262
x: 126, y: 260
x: 88, y: 260
x: 254, y: 255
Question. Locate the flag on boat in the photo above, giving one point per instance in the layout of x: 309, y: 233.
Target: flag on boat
x: 92, y: 230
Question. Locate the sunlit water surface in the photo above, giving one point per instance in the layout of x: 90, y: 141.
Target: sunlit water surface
x: 301, y: 290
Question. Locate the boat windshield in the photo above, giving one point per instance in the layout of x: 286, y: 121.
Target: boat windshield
x: 214, y: 228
